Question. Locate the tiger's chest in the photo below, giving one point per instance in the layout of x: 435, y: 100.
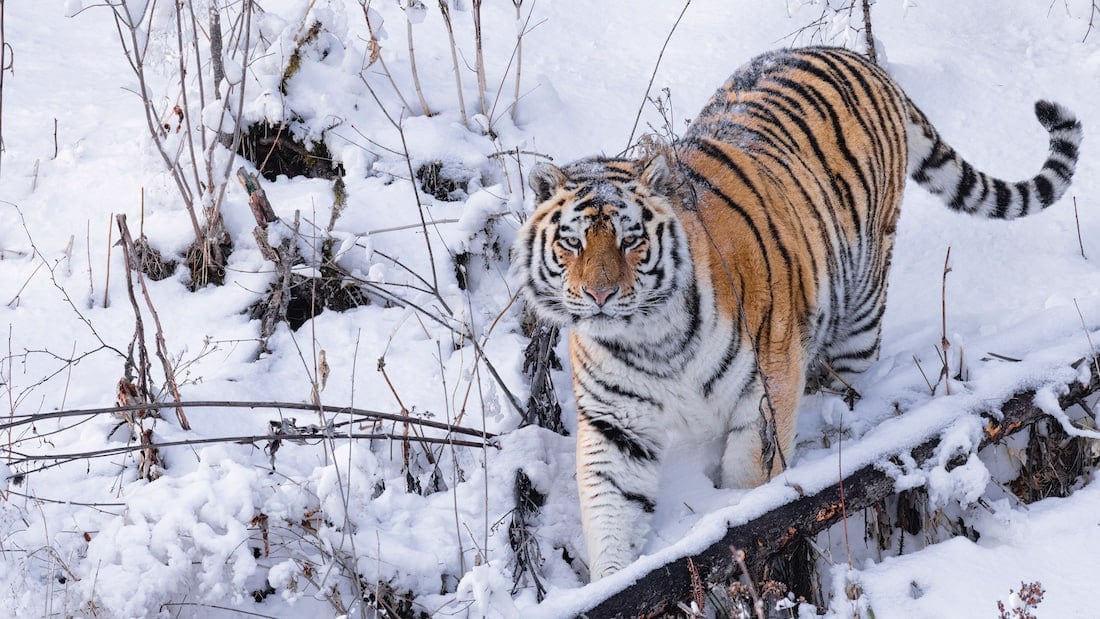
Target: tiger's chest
x: 683, y: 371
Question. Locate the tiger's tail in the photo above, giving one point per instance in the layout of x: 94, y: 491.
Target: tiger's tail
x: 939, y: 169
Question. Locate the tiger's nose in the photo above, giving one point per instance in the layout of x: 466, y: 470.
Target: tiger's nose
x: 600, y: 294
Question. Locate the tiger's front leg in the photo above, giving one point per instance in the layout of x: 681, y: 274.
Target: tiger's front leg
x: 617, y: 476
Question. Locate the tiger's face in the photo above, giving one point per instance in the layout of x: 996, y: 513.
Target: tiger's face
x: 603, y: 244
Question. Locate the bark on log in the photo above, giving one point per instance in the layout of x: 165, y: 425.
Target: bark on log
x: 659, y: 591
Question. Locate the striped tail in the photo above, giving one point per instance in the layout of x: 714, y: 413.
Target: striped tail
x: 940, y: 170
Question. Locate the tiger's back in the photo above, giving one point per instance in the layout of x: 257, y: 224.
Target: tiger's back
x: 798, y: 164
x: 704, y: 287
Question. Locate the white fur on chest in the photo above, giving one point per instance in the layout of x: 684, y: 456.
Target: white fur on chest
x: 694, y: 404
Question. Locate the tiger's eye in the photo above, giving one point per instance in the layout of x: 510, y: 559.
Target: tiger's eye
x: 631, y: 241
x: 570, y: 244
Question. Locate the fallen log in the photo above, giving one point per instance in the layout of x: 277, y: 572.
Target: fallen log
x: 660, y: 590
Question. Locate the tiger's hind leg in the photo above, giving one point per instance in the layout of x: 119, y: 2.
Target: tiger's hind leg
x: 857, y: 349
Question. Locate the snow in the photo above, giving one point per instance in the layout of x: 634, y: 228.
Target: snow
x: 280, y: 532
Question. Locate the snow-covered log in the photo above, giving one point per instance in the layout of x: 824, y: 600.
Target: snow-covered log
x: 659, y: 591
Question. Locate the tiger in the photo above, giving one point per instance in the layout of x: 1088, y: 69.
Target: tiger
x: 705, y: 285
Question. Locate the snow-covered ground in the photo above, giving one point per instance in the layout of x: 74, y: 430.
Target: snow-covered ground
x: 230, y: 529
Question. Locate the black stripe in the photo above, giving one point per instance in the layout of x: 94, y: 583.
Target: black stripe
x: 648, y: 506
x: 1025, y: 197
x: 1045, y: 189
x: 966, y: 182
x: 860, y: 355
x: 1065, y: 148
x: 1065, y: 124
x: 1004, y: 198
x: 645, y: 502
x: 714, y: 152
x: 732, y: 349
x: 627, y: 357
x: 848, y: 69
x: 841, y: 142
x: 618, y: 390
x: 985, y: 190
x: 937, y: 158
x: 1063, y: 171
x: 623, y: 440
x: 810, y: 136
x: 704, y: 183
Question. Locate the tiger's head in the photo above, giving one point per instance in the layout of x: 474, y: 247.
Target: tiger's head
x: 604, y: 247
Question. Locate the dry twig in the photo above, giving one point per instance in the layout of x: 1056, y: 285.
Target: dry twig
x: 162, y: 349
x: 653, y: 75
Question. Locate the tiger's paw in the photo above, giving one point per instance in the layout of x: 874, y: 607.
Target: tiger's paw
x: 601, y: 568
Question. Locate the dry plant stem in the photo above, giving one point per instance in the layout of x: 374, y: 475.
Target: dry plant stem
x: 88, y: 257
x: 931, y: 389
x: 195, y: 29
x: 135, y: 51
x: 406, y: 426
x: 500, y: 89
x: 15, y: 300
x: 454, y: 464
x: 1093, y: 12
x: 64, y: 294
x: 1088, y: 336
x: 434, y: 286
x: 63, y: 458
x: 162, y: 347
x: 416, y: 194
x: 6, y: 62
x: 143, y: 364
x: 479, y: 357
x: 840, y: 485
x: 107, y: 278
x: 284, y: 257
x: 739, y: 558
x: 944, y: 343
x: 871, y: 54
x: 698, y: 592
x: 182, y: 60
x: 358, y: 415
x: 217, y: 64
x: 215, y: 225
x: 652, y: 76
x: 229, y: 611
x: 412, y: 68
x: 446, y: 11
x: 1077, y: 219
x: 11, y: 396
x: 423, y: 219
x: 376, y: 56
x: 479, y: 57
x: 235, y: 142
x: 519, y: 55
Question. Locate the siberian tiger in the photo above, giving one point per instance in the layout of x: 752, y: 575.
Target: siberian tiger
x: 704, y: 286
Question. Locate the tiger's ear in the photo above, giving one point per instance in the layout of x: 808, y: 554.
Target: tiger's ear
x: 657, y: 175
x: 544, y: 180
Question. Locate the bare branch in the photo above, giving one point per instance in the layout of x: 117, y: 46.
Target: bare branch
x: 359, y: 414
x: 652, y: 76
